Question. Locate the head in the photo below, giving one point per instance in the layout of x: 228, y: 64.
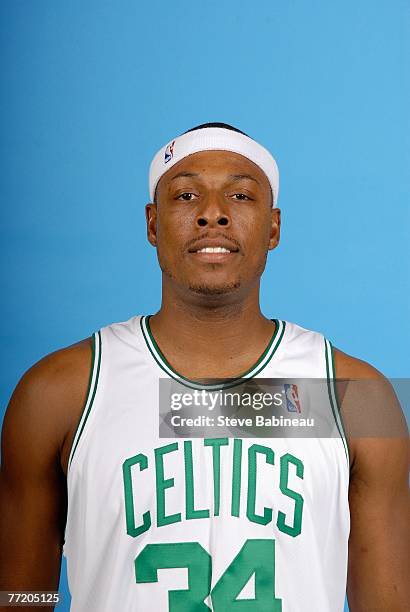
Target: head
x: 213, y: 219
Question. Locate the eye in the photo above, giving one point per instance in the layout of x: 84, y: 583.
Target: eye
x: 241, y: 196
x: 187, y: 196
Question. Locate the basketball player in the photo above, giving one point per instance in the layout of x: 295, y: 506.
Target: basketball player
x: 241, y: 524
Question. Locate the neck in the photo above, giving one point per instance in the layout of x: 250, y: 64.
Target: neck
x: 202, y: 335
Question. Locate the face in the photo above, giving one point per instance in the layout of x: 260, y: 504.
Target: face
x: 213, y: 223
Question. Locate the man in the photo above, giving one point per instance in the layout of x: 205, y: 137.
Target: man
x: 197, y: 524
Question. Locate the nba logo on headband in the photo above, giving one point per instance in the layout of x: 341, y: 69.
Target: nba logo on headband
x: 169, y: 152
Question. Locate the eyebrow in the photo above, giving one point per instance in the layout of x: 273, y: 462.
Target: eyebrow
x: 233, y: 177
x: 238, y: 177
x: 183, y: 174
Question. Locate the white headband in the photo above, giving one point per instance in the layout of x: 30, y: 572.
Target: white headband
x: 213, y: 139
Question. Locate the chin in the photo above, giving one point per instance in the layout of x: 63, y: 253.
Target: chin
x: 215, y: 289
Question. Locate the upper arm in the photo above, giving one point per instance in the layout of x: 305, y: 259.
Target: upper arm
x: 378, y: 572
x: 379, y: 500
x: 33, y: 492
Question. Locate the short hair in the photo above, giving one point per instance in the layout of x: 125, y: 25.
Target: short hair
x: 216, y: 124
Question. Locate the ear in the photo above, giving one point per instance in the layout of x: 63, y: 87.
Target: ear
x: 151, y: 218
x: 275, y: 229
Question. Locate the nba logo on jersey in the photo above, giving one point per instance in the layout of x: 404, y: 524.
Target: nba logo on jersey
x: 169, y: 152
x: 292, y: 398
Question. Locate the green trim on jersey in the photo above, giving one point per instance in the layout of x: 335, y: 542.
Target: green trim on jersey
x: 92, y: 388
x: 164, y: 364
x: 330, y: 373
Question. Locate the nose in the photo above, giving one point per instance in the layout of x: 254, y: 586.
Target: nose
x: 213, y: 214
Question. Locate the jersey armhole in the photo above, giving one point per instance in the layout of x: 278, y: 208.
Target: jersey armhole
x: 334, y: 402
x: 92, y: 388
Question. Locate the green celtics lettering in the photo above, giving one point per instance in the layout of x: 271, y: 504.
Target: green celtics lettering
x: 288, y: 467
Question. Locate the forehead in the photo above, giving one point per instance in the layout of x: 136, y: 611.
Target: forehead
x: 215, y: 164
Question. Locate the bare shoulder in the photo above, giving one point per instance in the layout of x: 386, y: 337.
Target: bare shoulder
x: 372, y: 414
x: 53, y: 382
x: 348, y: 367
x: 48, y: 400
x: 362, y: 390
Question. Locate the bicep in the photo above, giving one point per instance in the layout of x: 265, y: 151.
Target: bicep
x: 379, y: 538
x: 378, y: 494
x: 32, y: 490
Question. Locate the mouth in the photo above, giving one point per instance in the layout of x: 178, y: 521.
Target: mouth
x: 214, y: 254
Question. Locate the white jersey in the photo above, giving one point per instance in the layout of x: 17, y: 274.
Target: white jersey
x: 190, y: 525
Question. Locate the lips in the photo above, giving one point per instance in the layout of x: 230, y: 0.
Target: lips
x: 214, y: 247
x: 213, y: 251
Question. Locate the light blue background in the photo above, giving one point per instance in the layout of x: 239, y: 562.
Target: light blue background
x: 90, y: 91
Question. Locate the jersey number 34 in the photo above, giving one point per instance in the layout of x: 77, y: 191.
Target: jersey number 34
x: 255, y: 557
